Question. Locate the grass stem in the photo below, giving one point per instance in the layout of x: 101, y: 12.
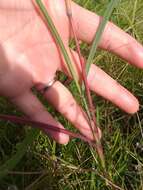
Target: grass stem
x: 89, y: 108
x: 59, y: 41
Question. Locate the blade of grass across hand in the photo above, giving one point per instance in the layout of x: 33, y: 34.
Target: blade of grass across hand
x: 22, y: 148
x: 98, y: 35
x: 63, y: 50
x: 59, y: 41
x: 88, y: 107
x: 36, y: 124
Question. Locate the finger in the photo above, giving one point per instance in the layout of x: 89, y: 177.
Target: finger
x: 61, y: 98
x: 105, y: 86
x: 33, y: 108
x: 114, y: 39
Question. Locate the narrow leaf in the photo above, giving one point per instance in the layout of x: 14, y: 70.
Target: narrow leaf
x: 99, y: 32
x: 59, y: 41
x: 22, y: 148
x: 36, y: 124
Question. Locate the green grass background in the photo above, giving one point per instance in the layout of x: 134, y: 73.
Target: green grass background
x: 75, y: 166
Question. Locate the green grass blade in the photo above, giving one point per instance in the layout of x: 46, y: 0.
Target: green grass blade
x: 22, y: 148
x: 99, y: 32
x: 59, y: 42
x: 63, y: 49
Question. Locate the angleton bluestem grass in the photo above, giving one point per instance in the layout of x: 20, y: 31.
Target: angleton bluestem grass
x: 57, y: 37
x: 87, y: 103
x: 100, y: 31
x: 94, y: 47
x: 89, y: 106
x: 43, y: 126
x: 90, y: 109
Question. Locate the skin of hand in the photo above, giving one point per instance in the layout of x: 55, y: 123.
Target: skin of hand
x: 29, y: 57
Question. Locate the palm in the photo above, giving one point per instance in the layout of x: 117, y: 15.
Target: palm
x: 29, y: 38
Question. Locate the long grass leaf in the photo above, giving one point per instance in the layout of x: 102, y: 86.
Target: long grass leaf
x: 88, y: 106
x: 100, y: 31
x: 59, y: 41
x: 22, y: 148
x: 67, y: 59
x: 41, y: 125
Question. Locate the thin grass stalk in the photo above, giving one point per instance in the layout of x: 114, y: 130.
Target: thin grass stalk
x: 59, y: 41
x: 12, y: 162
x: 61, y: 45
x: 90, y: 109
x: 98, y: 35
x: 43, y: 126
x: 55, y: 34
x: 63, y: 49
x: 84, y: 77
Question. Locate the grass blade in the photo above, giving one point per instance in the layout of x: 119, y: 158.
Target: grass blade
x: 36, y: 124
x: 59, y: 41
x: 22, y: 148
x: 99, y: 32
x: 89, y: 107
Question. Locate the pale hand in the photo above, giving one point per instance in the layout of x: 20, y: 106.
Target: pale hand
x: 29, y: 56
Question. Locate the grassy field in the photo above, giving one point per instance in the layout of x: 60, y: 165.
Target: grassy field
x: 50, y: 166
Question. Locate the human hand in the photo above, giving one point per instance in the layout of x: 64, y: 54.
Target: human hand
x: 30, y: 58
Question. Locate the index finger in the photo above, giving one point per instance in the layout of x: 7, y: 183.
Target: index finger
x: 114, y: 39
